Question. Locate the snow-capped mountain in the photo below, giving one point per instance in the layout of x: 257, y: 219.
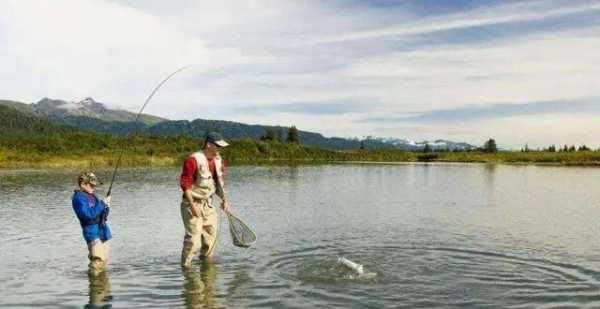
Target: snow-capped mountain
x: 88, y: 107
x: 408, y: 144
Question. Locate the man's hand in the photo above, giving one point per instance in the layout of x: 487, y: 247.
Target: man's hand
x: 225, y: 206
x: 195, y: 209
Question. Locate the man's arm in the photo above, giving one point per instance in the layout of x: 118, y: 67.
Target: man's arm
x: 221, y: 193
x: 188, y: 176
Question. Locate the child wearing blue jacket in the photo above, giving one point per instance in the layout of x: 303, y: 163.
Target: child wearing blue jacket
x: 92, y: 213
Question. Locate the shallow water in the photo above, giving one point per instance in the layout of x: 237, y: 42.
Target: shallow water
x: 435, y: 235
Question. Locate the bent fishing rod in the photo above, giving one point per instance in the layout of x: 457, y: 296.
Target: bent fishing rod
x: 114, y: 174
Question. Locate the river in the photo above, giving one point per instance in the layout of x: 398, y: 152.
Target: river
x: 433, y: 235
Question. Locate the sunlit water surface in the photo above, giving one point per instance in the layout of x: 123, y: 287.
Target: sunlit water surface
x: 440, y: 235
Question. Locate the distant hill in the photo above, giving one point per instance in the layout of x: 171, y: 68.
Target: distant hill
x: 17, y: 105
x: 61, y: 111
x: 17, y: 121
x: 236, y: 130
x: 91, y: 115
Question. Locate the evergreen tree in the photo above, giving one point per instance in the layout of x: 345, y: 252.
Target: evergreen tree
x: 490, y: 146
x: 269, y: 135
x: 583, y: 148
x: 427, y: 148
x: 293, y: 136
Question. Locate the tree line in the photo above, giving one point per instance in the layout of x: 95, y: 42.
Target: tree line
x: 553, y: 148
x: 272, y: 134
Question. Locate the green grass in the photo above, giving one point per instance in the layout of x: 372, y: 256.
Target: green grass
x: 91, y: 150
x: 537, y: 157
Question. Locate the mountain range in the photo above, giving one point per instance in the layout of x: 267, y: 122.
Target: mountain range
x: 91, y: 115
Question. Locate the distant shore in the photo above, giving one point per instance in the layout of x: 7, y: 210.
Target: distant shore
x: 244, y: 152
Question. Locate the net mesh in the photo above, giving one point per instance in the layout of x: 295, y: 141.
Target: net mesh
x: 241, y: 234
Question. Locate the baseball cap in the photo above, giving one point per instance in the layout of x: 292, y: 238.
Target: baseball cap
x: 217, y: 139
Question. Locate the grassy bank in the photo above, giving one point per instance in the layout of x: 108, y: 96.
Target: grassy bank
x: 83, y: 150
x: 89, y: 150
x: 517, y: 157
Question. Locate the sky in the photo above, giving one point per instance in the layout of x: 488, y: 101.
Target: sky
x: 521, y: 72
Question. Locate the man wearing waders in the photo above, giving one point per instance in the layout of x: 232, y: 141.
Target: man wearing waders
x: 92, y: 213
x: 201, y: 178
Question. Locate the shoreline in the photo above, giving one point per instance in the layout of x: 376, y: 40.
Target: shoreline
x: 94, y: 151
x: 170, y: 152
x: 100, y: 163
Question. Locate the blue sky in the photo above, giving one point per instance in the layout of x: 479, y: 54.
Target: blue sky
x: 518, y: 71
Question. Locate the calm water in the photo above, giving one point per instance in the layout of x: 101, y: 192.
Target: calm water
x: 435, y: 235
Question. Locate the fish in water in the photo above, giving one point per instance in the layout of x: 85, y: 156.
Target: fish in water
x: 355, y: 267
x: 351, y: 265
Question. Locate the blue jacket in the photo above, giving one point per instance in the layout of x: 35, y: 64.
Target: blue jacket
x: 92, y: 213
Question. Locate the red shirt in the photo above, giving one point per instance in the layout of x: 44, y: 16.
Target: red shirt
x: 190, y: 172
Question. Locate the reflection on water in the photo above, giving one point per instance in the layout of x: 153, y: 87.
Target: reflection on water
x: 240, y: 285
x: 199, y: 285
x: 99, y: 291
x: 436, y: 235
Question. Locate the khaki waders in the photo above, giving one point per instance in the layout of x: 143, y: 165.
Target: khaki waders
x: 200, y: 232
x: 98, y: 255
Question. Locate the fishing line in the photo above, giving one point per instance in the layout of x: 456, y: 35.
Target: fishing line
x: 114, y: 174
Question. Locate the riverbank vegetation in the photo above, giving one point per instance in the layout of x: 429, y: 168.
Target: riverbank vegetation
x: 28, y: 141
x: 84, y: 149
x: 89, y: 150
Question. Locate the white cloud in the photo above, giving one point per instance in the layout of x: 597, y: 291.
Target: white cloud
x: 69, y: 49
x: 510, y: 13
x: 270, y: 52
x: 564, y: 66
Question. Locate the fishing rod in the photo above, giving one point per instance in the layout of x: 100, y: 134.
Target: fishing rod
x: 114, y: 174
